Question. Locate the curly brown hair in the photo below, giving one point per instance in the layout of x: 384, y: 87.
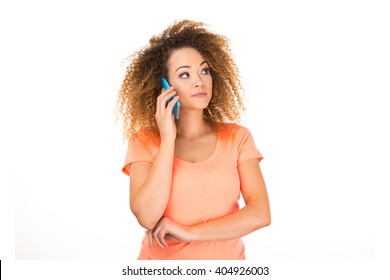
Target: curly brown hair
x: 137, y: 98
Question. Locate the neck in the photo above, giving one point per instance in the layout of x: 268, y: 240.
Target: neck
x: 191, y: 124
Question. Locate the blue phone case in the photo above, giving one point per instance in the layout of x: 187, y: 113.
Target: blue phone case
x: 175, y: 110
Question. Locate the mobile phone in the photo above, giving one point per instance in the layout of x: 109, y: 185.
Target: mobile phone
x: 175, y: 111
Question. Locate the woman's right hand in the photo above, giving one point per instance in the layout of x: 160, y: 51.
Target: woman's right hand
x: 164, y: 116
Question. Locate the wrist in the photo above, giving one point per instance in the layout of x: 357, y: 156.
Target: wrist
x: 192, y: 234
x: 168, y: 141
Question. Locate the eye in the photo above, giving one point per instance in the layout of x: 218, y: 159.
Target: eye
x: 206, y: 70
x: 184, y: 75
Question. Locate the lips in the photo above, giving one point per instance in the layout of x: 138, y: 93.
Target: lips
x: 199, y: 94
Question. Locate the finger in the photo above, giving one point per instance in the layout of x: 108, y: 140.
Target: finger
x: 163, y: 99
x: 165, y: 92
x: 161, y: 232
x: 162, y: 239
x: 163, y: 89
x: 160, y: 244
x: 150, y: 238
x: 155, y: 235
x: 172, y: 103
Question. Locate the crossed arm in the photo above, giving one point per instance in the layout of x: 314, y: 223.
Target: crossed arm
x: 255, y: 214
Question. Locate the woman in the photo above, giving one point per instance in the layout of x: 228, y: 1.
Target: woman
x: 186, y: 174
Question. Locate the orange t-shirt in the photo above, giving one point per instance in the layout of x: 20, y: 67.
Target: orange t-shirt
x: 200, y: 192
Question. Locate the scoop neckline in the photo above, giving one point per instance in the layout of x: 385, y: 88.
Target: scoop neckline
x: 211, y: 157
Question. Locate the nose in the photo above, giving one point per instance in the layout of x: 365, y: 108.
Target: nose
x: 198, y: 81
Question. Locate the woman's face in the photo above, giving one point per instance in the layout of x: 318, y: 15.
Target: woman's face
x: 189, y: 74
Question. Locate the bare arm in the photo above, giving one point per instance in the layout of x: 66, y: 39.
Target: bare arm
x: 150, y: 183
x: 150, y: 186
x: 255, y: 215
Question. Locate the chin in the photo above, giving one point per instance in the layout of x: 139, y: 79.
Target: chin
x: 195, y: 106
x: 200, y: 107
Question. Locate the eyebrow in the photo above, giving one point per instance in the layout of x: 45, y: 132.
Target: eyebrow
x: 186, y: 66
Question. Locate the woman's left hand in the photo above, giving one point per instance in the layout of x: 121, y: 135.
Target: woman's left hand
x: 166, y: 229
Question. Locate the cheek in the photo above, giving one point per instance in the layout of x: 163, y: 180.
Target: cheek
x: 183, y: 89
x: 209, y: 82
x: 180, y: 91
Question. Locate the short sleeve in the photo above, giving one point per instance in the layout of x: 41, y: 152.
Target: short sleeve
x: 139, y: 149
x: 246, y: 146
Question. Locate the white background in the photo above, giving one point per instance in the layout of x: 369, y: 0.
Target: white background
x: 315, y: 73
